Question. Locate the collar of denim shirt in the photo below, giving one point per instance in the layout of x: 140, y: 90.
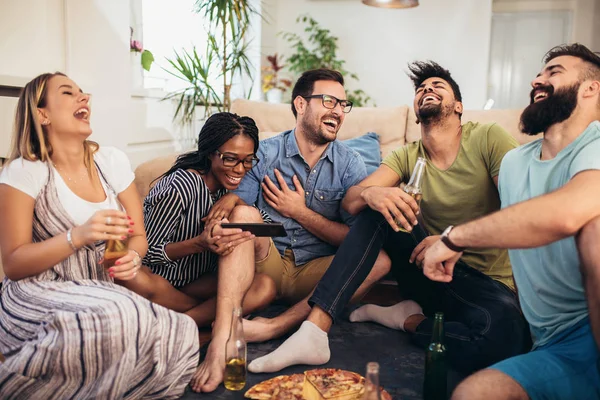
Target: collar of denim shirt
x: 291, y: 147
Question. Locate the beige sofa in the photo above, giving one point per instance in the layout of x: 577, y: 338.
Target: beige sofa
x: 395, y: 126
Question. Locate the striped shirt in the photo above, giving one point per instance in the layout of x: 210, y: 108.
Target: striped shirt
x: 173, y: 211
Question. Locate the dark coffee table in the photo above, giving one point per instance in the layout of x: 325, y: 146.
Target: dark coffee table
x: 352, y: 346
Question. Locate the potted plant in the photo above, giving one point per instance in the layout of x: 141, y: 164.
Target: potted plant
x: 272, y: 85
x: 225, y: 57
x: 319, y: 50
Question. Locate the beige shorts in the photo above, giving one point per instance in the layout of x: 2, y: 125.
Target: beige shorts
x: 294, y: 283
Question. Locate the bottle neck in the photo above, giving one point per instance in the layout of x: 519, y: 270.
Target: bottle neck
x: 372, y: 382
x: 236, y: 324
x: 438, y: 329
x: 417, y: 176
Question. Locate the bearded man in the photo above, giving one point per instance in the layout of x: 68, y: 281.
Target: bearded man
x: 550, y: 219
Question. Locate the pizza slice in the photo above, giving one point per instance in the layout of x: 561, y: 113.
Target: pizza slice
x: 332, y: 384
x: 283, y: 387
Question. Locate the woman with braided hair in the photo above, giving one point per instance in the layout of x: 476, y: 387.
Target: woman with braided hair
x: 183, y: 214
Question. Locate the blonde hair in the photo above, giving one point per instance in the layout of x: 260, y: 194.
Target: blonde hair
x: 29, y: 140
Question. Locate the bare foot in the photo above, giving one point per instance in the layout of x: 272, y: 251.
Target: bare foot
x: 259, y: 329
x: 210, y: 373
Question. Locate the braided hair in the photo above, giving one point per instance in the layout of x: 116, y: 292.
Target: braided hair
x: 217, y: 130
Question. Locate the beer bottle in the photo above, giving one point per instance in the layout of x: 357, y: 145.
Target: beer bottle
x: 372, y: 391
x: 413, y: 187
x: 235, y: 354
x: 434, y: 386
x: 114, y: 250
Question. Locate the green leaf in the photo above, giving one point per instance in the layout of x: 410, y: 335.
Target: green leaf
x: 147, y: 60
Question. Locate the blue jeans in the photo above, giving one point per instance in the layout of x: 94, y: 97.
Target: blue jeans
x: 483, y: 320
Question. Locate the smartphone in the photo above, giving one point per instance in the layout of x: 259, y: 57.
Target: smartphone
x: 259, y: 229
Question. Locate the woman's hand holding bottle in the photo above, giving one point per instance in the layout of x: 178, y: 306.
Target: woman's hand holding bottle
x: 102, y: 226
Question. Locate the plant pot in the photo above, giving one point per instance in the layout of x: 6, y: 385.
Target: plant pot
x: 275, y: 95
x: 137, y: 72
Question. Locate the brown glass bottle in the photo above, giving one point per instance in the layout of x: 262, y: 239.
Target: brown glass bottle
x: 372, y: 391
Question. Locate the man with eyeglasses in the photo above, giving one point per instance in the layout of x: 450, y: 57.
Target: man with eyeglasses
x: 483, y: 320
x: 300, y: 181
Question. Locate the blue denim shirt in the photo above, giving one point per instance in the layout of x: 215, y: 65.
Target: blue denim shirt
x: 324, y: 186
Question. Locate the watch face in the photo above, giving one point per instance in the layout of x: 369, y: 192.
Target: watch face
x: 447, y: 230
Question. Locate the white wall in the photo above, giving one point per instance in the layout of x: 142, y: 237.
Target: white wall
x: 31, y: 39
x: 586, y: 16
x: 89, y: 41
x: 97, y: 58
x: 596, y: 27
x: 378, y: 43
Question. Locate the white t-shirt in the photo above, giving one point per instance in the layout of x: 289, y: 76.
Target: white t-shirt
x: 31, y: 176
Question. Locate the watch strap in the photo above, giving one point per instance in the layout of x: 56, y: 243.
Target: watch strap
x: 446, y: 240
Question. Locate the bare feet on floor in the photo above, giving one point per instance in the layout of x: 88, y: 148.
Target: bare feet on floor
x: 210, y: 372
x: 309, y: 345
x: 259, y: 330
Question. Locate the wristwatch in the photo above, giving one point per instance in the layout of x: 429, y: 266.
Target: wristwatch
x: 446, y: 240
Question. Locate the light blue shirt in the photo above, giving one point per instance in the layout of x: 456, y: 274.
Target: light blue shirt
x: 324, y: 185
x: 548, y: 278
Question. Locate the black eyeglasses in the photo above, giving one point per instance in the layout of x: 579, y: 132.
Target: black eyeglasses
x: 232, y: 162
x: 330, y: 102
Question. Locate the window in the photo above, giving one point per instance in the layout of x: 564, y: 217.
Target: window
x: 168, y: 26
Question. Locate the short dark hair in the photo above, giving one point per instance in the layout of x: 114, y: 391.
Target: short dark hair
x: 420, y: 71
x: 578, y: 50
x: 305, y: 84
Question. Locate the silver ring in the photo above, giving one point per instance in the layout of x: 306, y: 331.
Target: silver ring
x: 108, y: 220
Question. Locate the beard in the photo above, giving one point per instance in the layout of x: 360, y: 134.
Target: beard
x: 432, y: 114
x: 555, y: 108
x: 314, y: 131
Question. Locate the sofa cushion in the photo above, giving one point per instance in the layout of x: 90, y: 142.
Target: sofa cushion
x: 368, y: 147
x: 508, y: 119
x: 388, y: 122
x: 147, y: 172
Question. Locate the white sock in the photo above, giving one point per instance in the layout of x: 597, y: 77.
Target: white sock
x: 392, y: 317
x: 309, y: 345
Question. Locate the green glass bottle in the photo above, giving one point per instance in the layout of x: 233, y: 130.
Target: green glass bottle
x: 434, y: 386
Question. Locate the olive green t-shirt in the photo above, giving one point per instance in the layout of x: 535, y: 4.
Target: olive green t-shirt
x: 463, y: 192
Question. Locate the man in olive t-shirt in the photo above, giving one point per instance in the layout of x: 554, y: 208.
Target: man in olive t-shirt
x: 463, y: 191
x: 484, y: 323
